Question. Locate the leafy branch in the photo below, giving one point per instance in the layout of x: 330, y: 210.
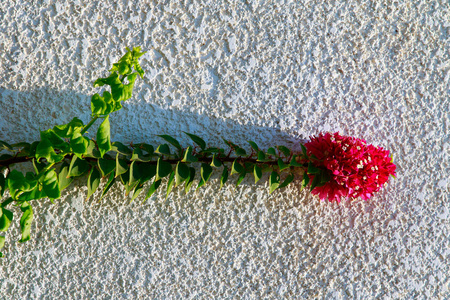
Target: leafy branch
x: 65, y: 152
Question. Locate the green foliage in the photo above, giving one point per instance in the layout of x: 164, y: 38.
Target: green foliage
x: 66, y: 151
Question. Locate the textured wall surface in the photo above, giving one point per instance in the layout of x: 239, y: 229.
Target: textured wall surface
x: 271, y: 71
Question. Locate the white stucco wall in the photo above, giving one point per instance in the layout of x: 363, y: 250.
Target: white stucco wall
x: 270, y: 71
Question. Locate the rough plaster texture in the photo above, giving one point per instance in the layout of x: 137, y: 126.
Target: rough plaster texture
x: 271, y: 71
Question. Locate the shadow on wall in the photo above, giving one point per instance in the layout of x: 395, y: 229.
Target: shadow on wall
x: 24, y: 113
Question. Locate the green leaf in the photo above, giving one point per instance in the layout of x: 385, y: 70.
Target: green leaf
x: 163, y: 169
x: 137, y: 191
x: 2, y: 244
x: 305, y: 180
x: 5, y: 146
x: 236, y: 167
x: 240, y: 152
x: 6, y: 217
x: 271, y: 151
x: 254, y: 146
x: 170, y: 183
x: 181, y: 173
x: 153, y: 189
x: 6, y: 202
x: 67, y: 130
x: 304, y: 151
x: 55, y: 141
x: 282, y: 165
x: 286, y: 151
x: 257, y: 172
x: 79, y: 145
x: 316, y: 181
x: 241, y: 177
x: 171, y: 140
x: 120, y: 148
x: 230, y: 144
x: 91, y: 150
x: 2, y: 184
x: 17, y: 183
x: 78, y: 167
x: 63, y: 177
x: 196, y: 139
x: 312, y: 169
x: 146, y: 171
x: 106, y: 166
x: 287, y: 181
x: 261, y: 156
x: 163, y: 149
x: 189, y: 180
x: 224, y: 176
x: 108, y: 185
x: 188, y: 157
x: 25, y: 221
x: 103, y: 137
x: 93, y: 181
x: 274, y: 181
x: 146, y: 147
x: 121, y: 166
x: 45, y: 150
x: 125, y: 178
x: 50, y: 184
x: 215, y: 162
x: 138, y: 155
x: 205, y: 172
x: 135, y: 172
x: 294, y: 162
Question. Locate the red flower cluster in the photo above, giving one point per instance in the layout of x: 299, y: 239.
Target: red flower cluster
x: 356, y: 169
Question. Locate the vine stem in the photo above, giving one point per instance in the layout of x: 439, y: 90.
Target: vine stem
x: 89, y: 124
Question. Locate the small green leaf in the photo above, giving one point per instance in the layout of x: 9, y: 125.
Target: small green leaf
x: 312, y: 169
x: 6, y: 218
x: 236, y: 168
x: 189, y: 180
x: 121, y: 148
x: 63, y: 177
x: 205, y: 171
x: 50, y: 184
x: 170, y: 183
x: 78, y: 167
x: 163, y: 149
x: 282, y: 165
x: 103, y: 137
x: 5, y: 146
x: 25, y: 221
x: 294, y: 162
x: 271, y: 151
x: 215, y: 162
x: 146, y: 147
x: 138, y: 155
x: 199, y: 141
x: 163, y: 169
x: 121, y: 166
x: 305, y: 180
x: 6, y: 203
x: 224, y: 176
x: 106, y: 166
x: 2, y: 184
x: 257, y: 173
x: 93, y: 181
x: 171, y: 140
x: 304, y: 151
x: 274, y: 181
x: 2, y: 244
x: 188, y: 157
x: 287, y: 181
x: 240, y: 152
x: 91, y: 150
x: 79, y: 144
x: 241, y: 177
x: 153, y: 189
x: 108, y: 185
x: 286, y: 151
x: 137, y: 191
x: 254, y: 146
x: 45, y: 150
x: 67, y: 130
x: 261, y: 156
x: 181, y: 173
x: 18, y: 184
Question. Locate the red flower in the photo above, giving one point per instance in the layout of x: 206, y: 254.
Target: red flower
x: 355, y: 168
